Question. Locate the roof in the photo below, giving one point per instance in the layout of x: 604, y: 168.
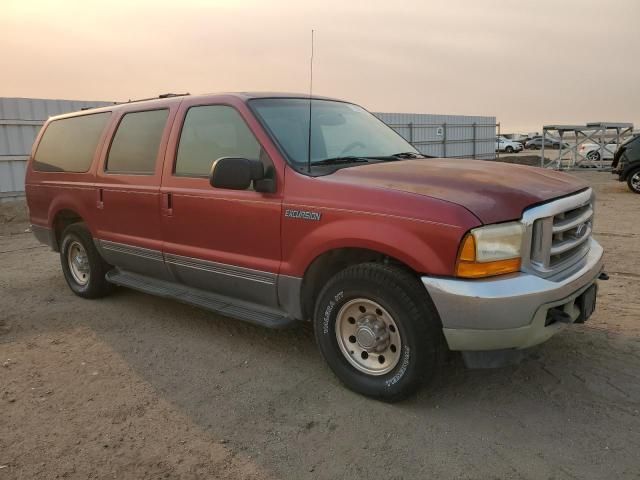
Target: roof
x: 252, y: 95
x: 170, y: 98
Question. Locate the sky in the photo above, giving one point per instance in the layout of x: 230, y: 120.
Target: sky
x: 527, y: 62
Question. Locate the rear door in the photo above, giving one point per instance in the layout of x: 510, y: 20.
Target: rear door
x: 128, y: 189
x: 224, y: 241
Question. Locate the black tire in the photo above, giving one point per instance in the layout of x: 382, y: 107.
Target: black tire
x: 96, y: 285
x: 509, y: 150
x: 402, y: 295
x: 593, y: 156
x: 633, y: 180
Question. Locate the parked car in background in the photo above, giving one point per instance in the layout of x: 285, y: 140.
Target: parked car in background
x: 626, y: 163
x: 536, y: 143
x: 218, y: 201
x: 503, y: 144
x: 593, y: 152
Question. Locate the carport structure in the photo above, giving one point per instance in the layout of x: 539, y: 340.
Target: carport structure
x: 607, y: 135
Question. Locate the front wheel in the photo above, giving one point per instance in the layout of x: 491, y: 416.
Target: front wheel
x: 83, y: 267
x: 633, y: 180
x: 378, y: 330
x: 509, y: 150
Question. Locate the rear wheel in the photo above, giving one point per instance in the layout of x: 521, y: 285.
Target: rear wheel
x: 83, y: 267
x: 378, y: 330
x: 593, y: 156
x: 633, y: 180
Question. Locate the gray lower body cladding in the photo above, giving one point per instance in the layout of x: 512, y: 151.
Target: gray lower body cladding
x: 255, y: 287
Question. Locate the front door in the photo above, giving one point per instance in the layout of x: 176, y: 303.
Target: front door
x: 224, y: 241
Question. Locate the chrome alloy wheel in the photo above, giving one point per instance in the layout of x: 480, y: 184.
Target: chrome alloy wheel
x: 78, y: 263
x: 368, y: 336
x: 635, y: 181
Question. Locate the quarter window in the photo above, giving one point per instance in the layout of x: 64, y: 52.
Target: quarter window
x: 135, y: 145
x: 211, y: 132
x: 68, y: 144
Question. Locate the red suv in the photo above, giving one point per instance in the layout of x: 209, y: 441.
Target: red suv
x: 276, y: 208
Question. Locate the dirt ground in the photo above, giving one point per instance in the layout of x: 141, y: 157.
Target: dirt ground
x: 134, y: 386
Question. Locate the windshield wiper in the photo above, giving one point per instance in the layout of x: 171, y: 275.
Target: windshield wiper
x: 354, y: 159
x: 408, y: 155
x: 398, y: 156
x: 340, y: 160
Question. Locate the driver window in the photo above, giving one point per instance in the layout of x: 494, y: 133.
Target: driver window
x: 211, y: 132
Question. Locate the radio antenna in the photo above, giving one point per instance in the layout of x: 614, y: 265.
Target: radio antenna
x: 310, y: 96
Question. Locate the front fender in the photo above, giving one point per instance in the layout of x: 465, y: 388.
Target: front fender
x: 426, y: 247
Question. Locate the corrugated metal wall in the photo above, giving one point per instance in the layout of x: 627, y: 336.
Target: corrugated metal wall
x: 446, y: 135
x: 20, y: 121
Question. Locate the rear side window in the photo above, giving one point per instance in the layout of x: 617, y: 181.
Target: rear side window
x: 68, y: 144
x: 135, y: 145
x: 211, y: 132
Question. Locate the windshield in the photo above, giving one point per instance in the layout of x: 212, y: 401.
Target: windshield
x: 338, y: 130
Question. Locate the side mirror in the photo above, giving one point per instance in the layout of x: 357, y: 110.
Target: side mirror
x: 235, y: 173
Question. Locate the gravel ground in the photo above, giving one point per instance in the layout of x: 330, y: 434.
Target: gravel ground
x: 134, y: 386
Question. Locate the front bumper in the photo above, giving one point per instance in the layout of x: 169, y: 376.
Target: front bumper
x: 510, y: 311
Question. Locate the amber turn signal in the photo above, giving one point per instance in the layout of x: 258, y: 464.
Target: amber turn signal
x: 468, y: 267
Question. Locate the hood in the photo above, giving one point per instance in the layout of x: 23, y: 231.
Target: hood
x: 492, y: 191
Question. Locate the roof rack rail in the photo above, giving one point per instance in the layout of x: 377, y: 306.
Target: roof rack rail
x: 82, y: 109
x: 163, y: 95
x: 169, y: 95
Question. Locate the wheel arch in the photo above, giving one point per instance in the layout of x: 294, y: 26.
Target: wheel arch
x: 61, y: 220
x: 69, y: 207
x: 330, y: 262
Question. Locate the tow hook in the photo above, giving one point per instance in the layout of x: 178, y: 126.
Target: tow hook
x: 603, y: 276
x: 557, y: 315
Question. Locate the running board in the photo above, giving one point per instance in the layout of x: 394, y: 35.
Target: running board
x: 249, y: 312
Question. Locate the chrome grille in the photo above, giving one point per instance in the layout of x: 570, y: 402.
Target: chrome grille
x: 558, y: 233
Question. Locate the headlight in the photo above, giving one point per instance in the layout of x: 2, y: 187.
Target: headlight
x: 490, y: 250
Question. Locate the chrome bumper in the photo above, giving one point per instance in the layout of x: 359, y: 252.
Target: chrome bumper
x: 510, y: 311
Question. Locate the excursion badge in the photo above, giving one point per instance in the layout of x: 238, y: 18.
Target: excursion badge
x: 303, y: 214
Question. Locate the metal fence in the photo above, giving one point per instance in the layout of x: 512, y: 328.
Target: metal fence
x: 20, y: 122
x: 592, y: 145
x: 456, y: 136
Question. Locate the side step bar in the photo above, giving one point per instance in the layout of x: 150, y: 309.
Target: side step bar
x: 249, y: 312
